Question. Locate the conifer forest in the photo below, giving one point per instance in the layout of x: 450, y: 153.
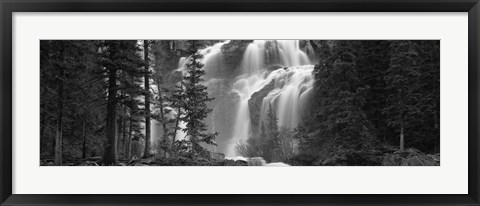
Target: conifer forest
x: 239, y: 103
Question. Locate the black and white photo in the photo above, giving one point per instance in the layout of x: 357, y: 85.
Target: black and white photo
x: 240, y: 102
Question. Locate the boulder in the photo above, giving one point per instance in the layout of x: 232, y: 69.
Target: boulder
x: 255, y: 105
x: 256, y: 161
x: 274, y: 67
x: 229, y: 162
x: 233, y: 52
x: 217, y: 156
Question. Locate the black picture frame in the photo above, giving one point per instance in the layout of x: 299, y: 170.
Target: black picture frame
x: 7, y: 8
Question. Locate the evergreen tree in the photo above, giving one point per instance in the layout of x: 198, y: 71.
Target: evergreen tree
x: 429, y: 103
x: 372, y: 61
x: 340, y: 123
x: 194, y: 104
x: 177, y: 100
x: 116, y: 56
x: 167, y: 86
x: 272, y: 123
x: 147, y: 150
x: 130, y: 102
x: 401, y: 81
x: 270, y: 143
x: 68, y: 92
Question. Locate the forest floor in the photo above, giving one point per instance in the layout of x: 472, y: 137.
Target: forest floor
x: 374, y: 157
x: 152, y: 161
x: 382, y: 157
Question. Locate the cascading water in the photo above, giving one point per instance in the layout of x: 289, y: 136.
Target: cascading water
x: 292, y: 84
x: 291, y: 54
x: 253, y: 59
x: 292, y: 79
x: 212, y: 57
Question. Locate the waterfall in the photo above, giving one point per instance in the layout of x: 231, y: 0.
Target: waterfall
x: 287, y: 97
x: 292, y: 84
x: 254, y: 58
x: 212, y: 58
x: 244, y: 86
x: 292, y: 79
x: 290, y: 53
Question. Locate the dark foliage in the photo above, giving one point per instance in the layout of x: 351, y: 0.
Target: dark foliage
x: 367, y: 93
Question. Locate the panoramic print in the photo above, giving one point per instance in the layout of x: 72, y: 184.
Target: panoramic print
x: 239, y: 103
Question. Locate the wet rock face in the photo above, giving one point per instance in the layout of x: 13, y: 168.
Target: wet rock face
x: 168, y: 52
x: 206, y: 43
x: 271, y: 53
x: 233, y: 52
x: 274, y: 67
x: 255, y: 105
x: 306, y: 46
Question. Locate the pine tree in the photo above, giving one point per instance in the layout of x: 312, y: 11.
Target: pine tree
x: 177, y: 102
x: 161, y: 101
x: 263, y: 130
x: 340, y: 123
x: 167, y: 90
x: 116, y: 56
x: 67, y: 93
x: 270, y: 143
x: 147, y: 150
x: 429, y: 103
x: 401, y: 80
x: 363, y: 89
x: 372, y: 61
x: 131, y: 96
x: 272, y: 123
x: 195, y: 104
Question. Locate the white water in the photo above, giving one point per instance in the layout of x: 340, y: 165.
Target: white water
x: 291, y: 88
x: 212, y: 57
x: 293, y: 84
x: 290, y: 53
x: 254, y: 58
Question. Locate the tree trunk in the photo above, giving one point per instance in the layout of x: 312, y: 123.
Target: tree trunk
x: 177, y: 121
x: 58, y: 134
x: 402, y: 123
x: 84, y: 144
x: 402, y: 140
x: 165, y: 129
x: 129, y: 147
x: 147, y: 153
x: 437, y: 125
x: 110, y: 154
x: 42, y: 132
x: 119, y: 135
x: 162, y: 116
x: 124, y: 124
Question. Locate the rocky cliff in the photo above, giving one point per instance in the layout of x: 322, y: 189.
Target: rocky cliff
x: 255, y: 105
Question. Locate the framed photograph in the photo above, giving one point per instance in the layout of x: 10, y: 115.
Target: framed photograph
x: 200, y: 102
